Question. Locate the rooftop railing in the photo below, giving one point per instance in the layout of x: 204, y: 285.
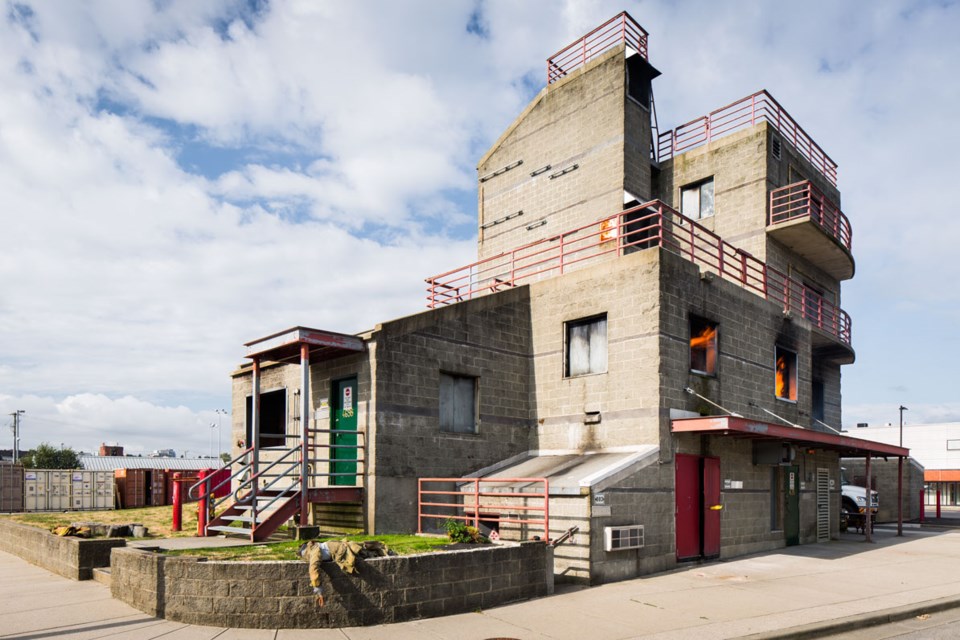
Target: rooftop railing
x: 653, y: 224
x: 759, y: 107
x: 803, y: 200
x: 620, y: 28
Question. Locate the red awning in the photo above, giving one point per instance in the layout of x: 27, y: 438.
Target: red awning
x: 285, y: 345
x: 744, y: 428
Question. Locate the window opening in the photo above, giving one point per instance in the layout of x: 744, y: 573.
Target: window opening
x: 696, y: 200
x: 786, y: 374
x: 273, y: 419
x: 703, y: 346
x: 587, y: 346
x: 458, y: 403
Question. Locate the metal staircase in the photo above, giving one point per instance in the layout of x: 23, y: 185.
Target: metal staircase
x: 266, y: 494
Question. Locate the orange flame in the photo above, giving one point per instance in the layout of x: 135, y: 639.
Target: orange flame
x: 706, y: 341
x: 781, y: 384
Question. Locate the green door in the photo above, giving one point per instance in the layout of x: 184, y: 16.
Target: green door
x: 791, y: 515
x: 344, y: 417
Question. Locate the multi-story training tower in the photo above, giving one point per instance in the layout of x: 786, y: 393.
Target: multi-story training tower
x: 647, y: 349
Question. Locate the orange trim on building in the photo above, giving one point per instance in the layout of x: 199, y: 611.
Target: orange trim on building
x: 941, y: 475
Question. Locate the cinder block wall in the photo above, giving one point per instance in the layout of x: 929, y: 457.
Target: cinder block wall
x: 578, y: 120
x: 487, y: 338
x: 72, y: 558
x: 268, y: 595
x: 625, y: 395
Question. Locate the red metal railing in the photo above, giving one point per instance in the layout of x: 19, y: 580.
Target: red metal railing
x: 474, y: 499
x: 620, y: 28
x: 803, y: 200
x: 759, y: 107
x: 653, y: 224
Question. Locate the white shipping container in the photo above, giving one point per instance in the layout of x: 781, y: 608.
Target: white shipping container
x: 58, y: 490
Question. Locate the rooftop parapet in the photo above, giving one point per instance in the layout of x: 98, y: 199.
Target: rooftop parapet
x: 621, y: 28
x: 653, y: 224
x: 756, y: 108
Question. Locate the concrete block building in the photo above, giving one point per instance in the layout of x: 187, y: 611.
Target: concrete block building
x: 650, y: 340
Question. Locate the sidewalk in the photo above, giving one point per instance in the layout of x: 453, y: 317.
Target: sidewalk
x: 804, y: 591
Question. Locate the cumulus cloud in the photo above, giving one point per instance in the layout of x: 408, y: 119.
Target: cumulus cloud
x: 181, y: 177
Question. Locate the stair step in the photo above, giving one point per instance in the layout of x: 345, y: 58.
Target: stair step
x: 245, y: 519
x: 102, y: 575
x: 225, y: 529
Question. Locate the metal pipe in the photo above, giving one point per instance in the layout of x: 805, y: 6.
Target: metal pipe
x: 304, y: 423
x: 900, y: 496
x: 867, y: 528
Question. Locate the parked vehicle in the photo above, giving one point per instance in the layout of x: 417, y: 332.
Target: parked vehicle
x: 853, y: 503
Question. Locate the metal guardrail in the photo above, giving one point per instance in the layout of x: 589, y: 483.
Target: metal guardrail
x: 473, y: 496
x: 620, y: 28
x: 804, y: 200
x: 653, y: 224
x: 759, y: 107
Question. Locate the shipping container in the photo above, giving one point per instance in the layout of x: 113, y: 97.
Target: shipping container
x: 11, y: 487
x: 92, y: 490
x: 132, y: 485
x: 67, y: 490
x: 156, y: 488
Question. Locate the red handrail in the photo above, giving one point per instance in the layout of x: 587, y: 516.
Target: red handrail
x: 472, y: 496
x: 653, y: 224
x: 804, y: 200
x: 620, y: 28
x: 759, y: 107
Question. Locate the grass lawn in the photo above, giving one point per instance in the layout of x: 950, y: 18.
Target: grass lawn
x: 158, y: 520
x: 287, y: 550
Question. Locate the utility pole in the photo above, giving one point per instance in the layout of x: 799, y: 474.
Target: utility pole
x: 16, y: 433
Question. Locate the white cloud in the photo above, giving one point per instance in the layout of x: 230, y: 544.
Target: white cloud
x: 133, y: 271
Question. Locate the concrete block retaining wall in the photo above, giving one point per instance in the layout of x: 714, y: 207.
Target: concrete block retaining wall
x: 73, y: 558
x: 279, y: 595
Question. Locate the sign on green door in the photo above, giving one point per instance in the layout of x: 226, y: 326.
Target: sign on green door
x: 344, y: 436
x: 791, y: 515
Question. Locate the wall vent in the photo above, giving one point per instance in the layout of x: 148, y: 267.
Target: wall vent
x: 622, y: 538
x: 775, y: 147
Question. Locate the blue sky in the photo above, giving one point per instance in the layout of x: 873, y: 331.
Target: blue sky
x: 181, y: 177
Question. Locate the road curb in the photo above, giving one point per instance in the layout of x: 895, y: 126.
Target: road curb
x: 863, y: 621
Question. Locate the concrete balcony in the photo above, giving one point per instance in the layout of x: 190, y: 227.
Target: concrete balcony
x: 812, y: 226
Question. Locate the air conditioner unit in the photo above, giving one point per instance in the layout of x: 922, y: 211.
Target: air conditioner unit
x: 621, y: 538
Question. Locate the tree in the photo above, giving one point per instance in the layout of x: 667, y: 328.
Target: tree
x: 46, y: 456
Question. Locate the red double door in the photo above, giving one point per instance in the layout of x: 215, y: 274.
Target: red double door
x: 698, y: 506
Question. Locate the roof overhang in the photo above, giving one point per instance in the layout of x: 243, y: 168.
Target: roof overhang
x: 736, y: 427
x: 285, y: 345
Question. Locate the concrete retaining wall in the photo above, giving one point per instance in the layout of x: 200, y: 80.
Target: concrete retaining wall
x: 279, y: 595
x: 73, y: 558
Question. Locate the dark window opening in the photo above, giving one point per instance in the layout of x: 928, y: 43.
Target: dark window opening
x: 703, y: 346
x: 273, y: 419
x: 786, y: 374
x: 458, y: 403
x: 640, y: 228
x: 640, y: 75
x: 586, y: 347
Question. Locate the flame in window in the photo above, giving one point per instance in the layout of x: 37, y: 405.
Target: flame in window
x: 703, y: 349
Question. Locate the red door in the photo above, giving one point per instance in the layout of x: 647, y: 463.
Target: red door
x: 711, y: 507
x: 689, y: 506
x: 698, y: 507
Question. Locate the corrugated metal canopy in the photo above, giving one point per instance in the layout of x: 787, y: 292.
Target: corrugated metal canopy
x: 738, y: 427
x: 285, y: 345
x: 111, y: 463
